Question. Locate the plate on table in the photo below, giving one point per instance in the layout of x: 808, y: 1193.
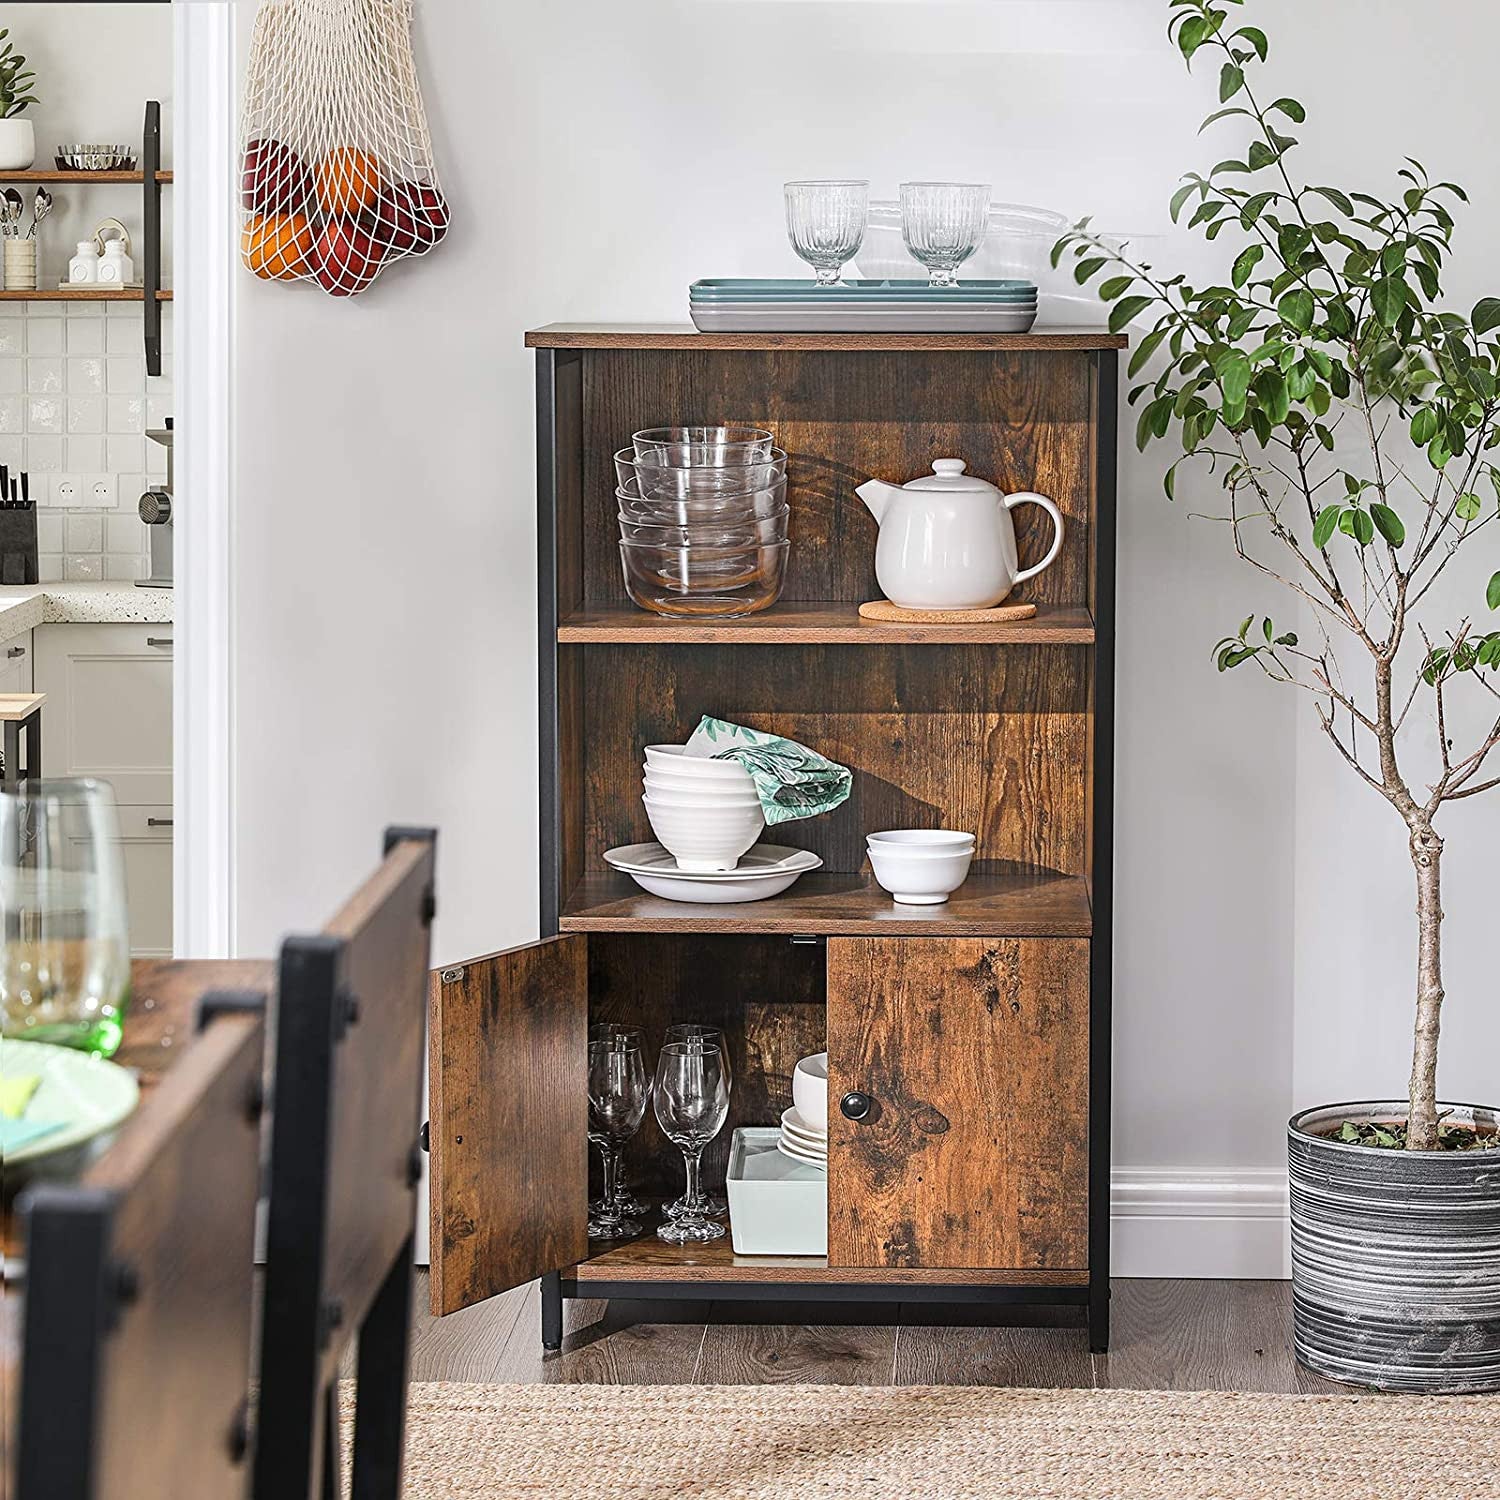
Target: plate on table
x: 85, y: 1096
x: 765, y: 870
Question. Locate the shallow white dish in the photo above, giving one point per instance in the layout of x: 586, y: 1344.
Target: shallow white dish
x: 766, y: 870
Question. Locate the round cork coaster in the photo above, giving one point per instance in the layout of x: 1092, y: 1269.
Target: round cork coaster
x: 883, y: 612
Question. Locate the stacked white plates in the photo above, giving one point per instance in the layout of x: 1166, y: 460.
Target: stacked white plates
x: 801, y: 1141
x: 765, y: 870
x: 804, y: 1127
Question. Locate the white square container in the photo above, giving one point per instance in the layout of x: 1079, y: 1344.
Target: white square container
x: 777, y: 1206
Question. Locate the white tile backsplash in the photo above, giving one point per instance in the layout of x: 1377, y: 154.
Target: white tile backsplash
x: 74, y: 401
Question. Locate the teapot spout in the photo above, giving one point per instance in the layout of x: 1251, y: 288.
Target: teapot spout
x: 877, y: 494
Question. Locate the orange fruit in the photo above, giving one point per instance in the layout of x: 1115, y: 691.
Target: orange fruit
x: 277, y: 246
x: 348, y: 181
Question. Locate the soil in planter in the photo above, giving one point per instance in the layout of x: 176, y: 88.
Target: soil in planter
x: 1392, y: 1136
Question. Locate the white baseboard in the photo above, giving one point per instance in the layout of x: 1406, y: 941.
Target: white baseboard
x: 1230, y: 1225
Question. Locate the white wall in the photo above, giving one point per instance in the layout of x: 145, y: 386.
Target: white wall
x: 598, y: 158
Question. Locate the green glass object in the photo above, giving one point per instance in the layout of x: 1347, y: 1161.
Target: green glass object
x: 65, y: 966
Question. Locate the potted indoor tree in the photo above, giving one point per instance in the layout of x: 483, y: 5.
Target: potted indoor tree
x: 17, y: 139
x: 1354, y: 422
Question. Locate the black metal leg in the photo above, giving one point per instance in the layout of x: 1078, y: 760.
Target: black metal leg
x: 331, y: 1448
x: 552, y: 1310
x: 12, y: 755
x: 1099, y: 1314
x: 380, y: 1404
x: 34, y: 746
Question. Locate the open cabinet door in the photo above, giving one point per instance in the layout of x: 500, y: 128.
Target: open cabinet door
x: 508, y: 1098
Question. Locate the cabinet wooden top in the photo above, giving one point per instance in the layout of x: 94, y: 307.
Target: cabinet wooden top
x: 685, y: 336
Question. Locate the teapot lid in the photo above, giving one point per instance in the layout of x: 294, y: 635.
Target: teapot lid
x: 948, y: 474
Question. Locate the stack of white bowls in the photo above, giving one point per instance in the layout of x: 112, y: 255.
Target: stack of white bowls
x: 704, y: 812
x: 804, y: 1127
x: 920, y: 866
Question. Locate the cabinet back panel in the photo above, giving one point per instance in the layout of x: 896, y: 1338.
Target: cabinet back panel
x: 764, y: 993
x: 967, y: 737
x: 1022, y: 420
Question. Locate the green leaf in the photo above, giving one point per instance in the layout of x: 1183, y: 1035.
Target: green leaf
x: 1180, y: 197
x: 1349, y: 1132
x: 1388, y: 524
x: 1231, y: 81
x: 1388, y: 297
x: 1234, y: 371
x: 1290, y: 108
x: 1146, y: 348
x: 1112, y: 288
x: 1192, y: 35
x: 1492, y: 593
x: 1257, y: 39
x: 1296, y: 309
x: 1325, y: 526
x: 1086, y: 268
x: 1486, y: 314
x: 1363, y: 527
x: 1270, y: 630
x: 1467, y: 508
x: 1270, y: 390
x: 1245, y: 262
x: 1124, y: 310
x: 1424, y: 426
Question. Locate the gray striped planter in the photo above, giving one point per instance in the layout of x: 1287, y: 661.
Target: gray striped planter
x: 1395, y: 1256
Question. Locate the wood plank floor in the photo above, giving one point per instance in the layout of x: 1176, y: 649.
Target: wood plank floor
x: 1167, y: 1335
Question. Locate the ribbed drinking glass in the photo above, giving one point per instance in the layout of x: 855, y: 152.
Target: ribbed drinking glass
x: 943, y: 224
x: 825, y: 222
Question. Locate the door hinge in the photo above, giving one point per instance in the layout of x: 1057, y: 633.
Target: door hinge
x: 807, y: 939
x: 451, y: 976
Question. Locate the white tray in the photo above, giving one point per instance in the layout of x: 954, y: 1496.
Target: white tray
x: 777, y: 1206
x: 851, y: 319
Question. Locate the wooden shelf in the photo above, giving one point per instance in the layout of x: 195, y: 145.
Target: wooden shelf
x: 685, y: 336
x: 1030, y: 905
x: 83, y: 294
x: 650, y: 1259
x: 818, y: 624
x: 55, y: 175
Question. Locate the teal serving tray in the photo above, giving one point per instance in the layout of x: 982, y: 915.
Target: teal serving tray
x: 747, y: 291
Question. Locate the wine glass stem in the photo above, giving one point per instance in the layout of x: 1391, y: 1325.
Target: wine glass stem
x: 942, y: 276
x: 827, y: 275
x: 690, y: 1193
x: 611, y: 1156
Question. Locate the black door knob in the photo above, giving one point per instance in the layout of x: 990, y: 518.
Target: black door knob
x: 855, y: 1106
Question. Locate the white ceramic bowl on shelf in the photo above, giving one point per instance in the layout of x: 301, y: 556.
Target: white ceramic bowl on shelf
x: 810, y: 1090
x: 921, y: 840
x: 698, y: 787
x: 920, y: 875
x: 675, y: 760
x: 705, y: 839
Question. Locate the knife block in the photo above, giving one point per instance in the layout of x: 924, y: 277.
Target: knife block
x: 18, y: 546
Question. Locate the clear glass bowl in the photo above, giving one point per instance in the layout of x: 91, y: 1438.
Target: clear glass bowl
x: 702, y: 447
x: 750, y: 533
x: 654, y: 481
x: 731, y: 507
x: 704, y: 580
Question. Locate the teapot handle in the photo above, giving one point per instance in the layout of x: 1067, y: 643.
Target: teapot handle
x: 1030, y: 497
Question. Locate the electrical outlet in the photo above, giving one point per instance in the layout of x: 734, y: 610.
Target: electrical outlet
x: 66, y: 489
x: 101, y: 490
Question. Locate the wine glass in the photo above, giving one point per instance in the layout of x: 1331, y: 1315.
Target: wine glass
x: 825, y: 222
x: 625, y: 1200
x: 692, y: 1102
x: 65, y: 970
x: 706, y: 1203
x: 618, y: 1090
x: 943, y: 224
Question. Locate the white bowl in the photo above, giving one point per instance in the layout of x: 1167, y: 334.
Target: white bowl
x: 672, y: 797
x: 705, y: 840
x: 810, y: 1090
x: 674, y: 758
x: 700, y: 786
x: 932, y: 840
x: 919, y: 879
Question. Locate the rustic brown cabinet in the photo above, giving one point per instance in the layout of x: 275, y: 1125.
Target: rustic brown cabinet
x: 977, y: 1031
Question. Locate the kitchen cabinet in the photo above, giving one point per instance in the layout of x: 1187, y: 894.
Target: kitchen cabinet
x: 15, y: 665
x: 109, y: 715
x: 972, y: 1163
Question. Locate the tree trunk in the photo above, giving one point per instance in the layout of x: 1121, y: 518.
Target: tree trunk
x: 1426, y: 857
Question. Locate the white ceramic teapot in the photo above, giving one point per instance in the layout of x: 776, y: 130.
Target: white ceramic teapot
x: 947, y: 540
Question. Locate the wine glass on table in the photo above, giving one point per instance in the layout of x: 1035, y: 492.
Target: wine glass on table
x: 691, y: 1099
x: 618, y: 1090
x: 65, y: 965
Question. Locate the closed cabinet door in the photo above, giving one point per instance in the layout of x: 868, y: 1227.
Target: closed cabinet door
x: 109, y: 706
x: 15, y: 665
x: 958, y: 1103
x: 146, y: 844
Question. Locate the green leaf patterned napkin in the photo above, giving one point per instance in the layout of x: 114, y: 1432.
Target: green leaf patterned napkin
x: 791, y: 781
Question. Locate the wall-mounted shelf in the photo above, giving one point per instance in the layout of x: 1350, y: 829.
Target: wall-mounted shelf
x: 84, y: 294
x: 83, y: 178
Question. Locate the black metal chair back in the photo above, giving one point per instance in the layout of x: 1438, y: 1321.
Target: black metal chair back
x: 139, y: 1289
x: 344, y: 1170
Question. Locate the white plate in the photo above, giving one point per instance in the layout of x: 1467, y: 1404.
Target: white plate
x: 764, y: 871
x: 793, y: 1125
x: 797, y: 1154
x: 87, y: 1095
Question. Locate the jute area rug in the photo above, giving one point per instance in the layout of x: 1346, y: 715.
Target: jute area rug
x: 819, y: 1442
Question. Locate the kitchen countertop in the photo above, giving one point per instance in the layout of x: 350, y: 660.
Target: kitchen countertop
x: 25, y: 606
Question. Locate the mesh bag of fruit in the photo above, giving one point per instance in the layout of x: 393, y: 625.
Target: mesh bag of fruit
x: 337, y: 180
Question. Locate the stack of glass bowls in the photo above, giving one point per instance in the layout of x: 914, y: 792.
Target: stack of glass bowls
x: 703, y: 519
